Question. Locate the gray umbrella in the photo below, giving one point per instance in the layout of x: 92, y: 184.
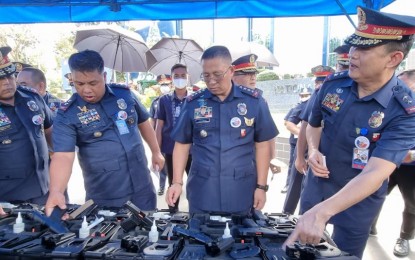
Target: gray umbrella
x: 169, y: 51
x: 121, y: 49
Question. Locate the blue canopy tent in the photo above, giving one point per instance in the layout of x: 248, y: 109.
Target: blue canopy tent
x: 57, y: 11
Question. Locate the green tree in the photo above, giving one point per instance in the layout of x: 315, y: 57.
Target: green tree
x: 23, y: 43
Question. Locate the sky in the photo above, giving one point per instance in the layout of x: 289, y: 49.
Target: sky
x: 298, y: 41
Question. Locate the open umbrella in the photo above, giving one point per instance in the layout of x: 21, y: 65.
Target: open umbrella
x: 169, y: 51
x: 121, y: 49
x: 238, y: 49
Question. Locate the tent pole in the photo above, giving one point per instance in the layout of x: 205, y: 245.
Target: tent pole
x: 345, y: 12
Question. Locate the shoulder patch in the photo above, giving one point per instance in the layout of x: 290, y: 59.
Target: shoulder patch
x: 337, y: 75
x: 404, y: 99
x: 115, y: 85
x: 27, y: 89
x: 251, y: 92
x: 196, y: 95
x: 64, y: 106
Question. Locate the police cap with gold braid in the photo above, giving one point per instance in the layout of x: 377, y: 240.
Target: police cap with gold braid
x: 377, y: 28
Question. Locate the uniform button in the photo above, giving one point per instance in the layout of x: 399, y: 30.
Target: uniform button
x: 97, y: 134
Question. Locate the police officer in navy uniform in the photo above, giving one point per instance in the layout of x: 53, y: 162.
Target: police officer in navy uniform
x: 168, y: 113
x: 342, y: 57
x: 35, y: 78
x: 245, y: 71
x: 294, y: 178
x: 25, y: 127
x: 367, y: 113
x: 222, y: 125
x: 106, y: 123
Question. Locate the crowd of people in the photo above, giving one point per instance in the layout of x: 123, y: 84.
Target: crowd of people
x: 354, y: 137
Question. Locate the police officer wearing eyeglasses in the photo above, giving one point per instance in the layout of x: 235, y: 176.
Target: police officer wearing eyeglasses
x: 222, y: 124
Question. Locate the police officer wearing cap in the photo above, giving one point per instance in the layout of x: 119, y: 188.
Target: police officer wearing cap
x: 366, y: 114
x: 342, y: 57
x: 222, y: 124
x: 35, y: 78
x: 245, y: 71
x: 25, y: 127
x: 106, y: 123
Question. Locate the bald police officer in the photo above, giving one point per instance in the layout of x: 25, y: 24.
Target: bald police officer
x: 106, y: 123
x: 25, y: 125
x: 222, y: 124
x: 367, y: 119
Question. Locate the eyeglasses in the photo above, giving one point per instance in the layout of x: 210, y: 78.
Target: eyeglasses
x: 217, y: 76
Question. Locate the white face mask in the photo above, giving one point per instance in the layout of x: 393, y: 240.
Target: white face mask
x: 180, y: 83
x: 303, y: 99
x: 164, y: 89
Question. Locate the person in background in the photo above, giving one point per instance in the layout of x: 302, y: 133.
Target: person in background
x: 25, y: 129
x: 107, y: 124
x: 245, y: 71
x: 365, y: 114
x: 164, y: 87
x: 227, y: 127
x: 342, y: 57
x: 19, y: 67
x: 404, y: 178
x: 35, y: 78
x: 320, y: 72
x: 168, y: 113
x: 245, y: 75
x: 293, y: 123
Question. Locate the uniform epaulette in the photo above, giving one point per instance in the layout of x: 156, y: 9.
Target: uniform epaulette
x: 115, y: 85
x: 64, y: 106
x: 404, y: 99
x: 27, y: 89
x: 251, y: 92
x: 337, y: 75
x: 196, y: 95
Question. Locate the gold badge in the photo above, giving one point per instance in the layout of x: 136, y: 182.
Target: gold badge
x: 376, y: 119
x: 83, y: 109
x: 249, y: 122
x: 252, y: 58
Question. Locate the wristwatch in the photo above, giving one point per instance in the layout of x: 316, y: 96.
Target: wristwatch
x: 262, y: 187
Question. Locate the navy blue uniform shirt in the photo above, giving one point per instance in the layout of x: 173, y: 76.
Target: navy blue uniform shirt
x: 169, y: 109
x: 153, y: 107
x: 293, y: 116
x: 53, y: 102
x: 111, y: 153
x: 386, y: 118
x: 223, y: 176
x: 24, y: 172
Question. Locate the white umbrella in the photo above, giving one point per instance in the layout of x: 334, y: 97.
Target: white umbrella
x: 121, y: 49
x: 170, y: 51
x: 238, y: 49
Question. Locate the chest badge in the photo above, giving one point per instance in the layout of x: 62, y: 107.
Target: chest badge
x: 242, y: 109
x: 249, y: 121
x: 32, y: 106
x: 37, y: 119
x: 121, y: 103
x: 236, y: 122
x: 376, y: 119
